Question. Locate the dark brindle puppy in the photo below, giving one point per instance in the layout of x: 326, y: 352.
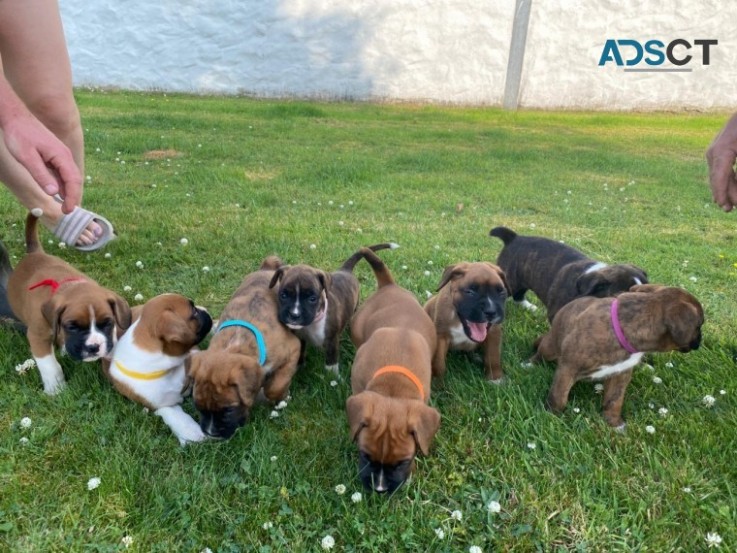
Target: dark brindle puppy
x: 557, y: 273
x: 604, y: 338
x: 317, y: 305
x: 250, y: 351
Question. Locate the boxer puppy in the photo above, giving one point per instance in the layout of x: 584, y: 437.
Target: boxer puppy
x: 317, y: 306
x: 388, y: 414
x: 148, y: 361
x: 467, y: 312
x: 61, y: 306
x: 250, y: 351
x: 604, y: 338
x: 557, y: 273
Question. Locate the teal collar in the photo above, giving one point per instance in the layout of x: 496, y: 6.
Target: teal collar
x: 256, y: 332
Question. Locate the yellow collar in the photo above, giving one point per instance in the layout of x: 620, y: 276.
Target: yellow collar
x: 141, y: 376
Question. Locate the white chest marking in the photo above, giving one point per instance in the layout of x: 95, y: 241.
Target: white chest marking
x: 315, y: 333
x: 605, y: 371
x: 459, y: 340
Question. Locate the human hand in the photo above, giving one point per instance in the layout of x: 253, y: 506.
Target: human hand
x: 721, y: 156
x: 46, y: 158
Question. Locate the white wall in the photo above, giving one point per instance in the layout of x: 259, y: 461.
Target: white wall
x: 429, y: 50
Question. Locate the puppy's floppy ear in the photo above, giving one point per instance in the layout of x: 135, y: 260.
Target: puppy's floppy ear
x: 451, y: 272
x: 52, y: 313
x: 499, y: 271
x: 359, y: 408
x: 278, y: 274
x: 647, y: 288
x: 423, y: 423
x: 592, y: 284
x: 121, y: 312
x: 325, y: 279
x: 683, y: 317
x: 247, y: 379
x: 171, y: 328
x: 190, y: 368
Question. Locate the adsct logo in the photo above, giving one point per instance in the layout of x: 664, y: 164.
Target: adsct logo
x: 679, y: 55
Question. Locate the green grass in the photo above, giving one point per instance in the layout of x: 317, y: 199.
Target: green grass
x: 251, y: 178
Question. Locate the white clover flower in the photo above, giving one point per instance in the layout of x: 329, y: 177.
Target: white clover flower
x: 456, y: 515
x: 341, y: 223
x: 127, y: 541
x: 62, y: 245
x: 26, y: 422
x: 93, y: 483
x: 294, y: 202
x: 206, y: 550
x: 404, y: 267
x: 598, y: 388
x: 328, y: 542
x: 713, y: 539
x: 428, y: 294
x: 693, y: 279
x: 127, y: 288
x: 356, y: 497
x: 657, y: 380
x: 576, y: 410
x: 651, y: 405
x: 108, y: 255
x: 722, y: 392
x: 313, y: 246
x: 340, y: 489
x: 274, y: 414
x: 494, y: 507
x: 139, y: 264
x: 533, y: 225
x: 281, y: 405
x: 531, y: 445
x: 273, y: 458
x: 333, y: 383
x: 440, y: 533
x: 330, y: 202
x: 475, y: 549
x: 22, y: 368
x: 138, y: 297
x: 709, y: 401
x: 686, y: 489
x: 669, y: 365
x: 205, y: 269
x: 427, y: 273
x: 650, y: 429
x: 429, y: 262
x: 350, y: 202
x: 663, y: 411
x: 184, y: 241
x: 268, y: 525
x: 24, y: 441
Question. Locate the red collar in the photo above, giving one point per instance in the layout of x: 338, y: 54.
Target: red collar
x: 55, y: 284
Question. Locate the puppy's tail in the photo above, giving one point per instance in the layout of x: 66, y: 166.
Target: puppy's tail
x: 32, y: 242
x: 271, y: 263
x: 383, y: 276
x: 505, y: 234
x: 350, y: 263
x: 7, y: 317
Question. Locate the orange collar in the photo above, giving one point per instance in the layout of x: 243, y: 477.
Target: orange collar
x: 55, y: 284
x: 403, y: 371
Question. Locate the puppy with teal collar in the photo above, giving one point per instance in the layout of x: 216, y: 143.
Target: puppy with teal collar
x: 251, y: 351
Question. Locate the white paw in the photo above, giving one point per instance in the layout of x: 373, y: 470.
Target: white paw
x: 526, y: 365
x: 527, y: 305
x: 335, y: 369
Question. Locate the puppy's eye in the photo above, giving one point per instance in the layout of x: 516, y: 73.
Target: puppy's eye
x: 469, y: 292
x: 312, y: 299
x: 283, y: 295
x: 501, y: 290
x: 72, y: 327
x: 106, y: 323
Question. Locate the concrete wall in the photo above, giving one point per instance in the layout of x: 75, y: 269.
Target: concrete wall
x: 451, y: 51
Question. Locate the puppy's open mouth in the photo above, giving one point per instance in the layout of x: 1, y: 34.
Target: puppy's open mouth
x: 476, y: 331
x: 294, y: 326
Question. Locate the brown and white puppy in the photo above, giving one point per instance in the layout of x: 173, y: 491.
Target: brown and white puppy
x: 557, y: 273
x: 148, y: 361
x: 317, y: 305
x: 62, y: 307
x: 388, y: 414
x: 468, y: 311
x: 251, y: 350
x: 604, y: 338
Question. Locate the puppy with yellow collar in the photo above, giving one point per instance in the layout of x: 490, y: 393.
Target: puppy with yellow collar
x: 148, y: 361
x: 388, y: 414
x: 62, y: 307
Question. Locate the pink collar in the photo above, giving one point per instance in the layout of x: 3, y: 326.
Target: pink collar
x: 614, y: 312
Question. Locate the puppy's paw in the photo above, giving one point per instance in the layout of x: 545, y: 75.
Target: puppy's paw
x: 185, y: 428
x: 621, y: 428
x: 497, y: 381
x: 54, y: 388
x: 527, y: 305
x: 335, y: 369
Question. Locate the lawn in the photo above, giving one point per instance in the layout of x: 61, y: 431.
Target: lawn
x: 201, y: 189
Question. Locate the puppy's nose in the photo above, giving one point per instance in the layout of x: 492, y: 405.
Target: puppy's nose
x: 93, y: 348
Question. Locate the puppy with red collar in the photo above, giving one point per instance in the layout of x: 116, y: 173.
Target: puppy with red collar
x: 62, y: 307
x: 148, y: 361
x: 317, y: 305
x: 388, y: 414
x: 604, y: 338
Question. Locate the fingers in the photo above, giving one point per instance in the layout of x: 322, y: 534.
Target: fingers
x: 65, y: 178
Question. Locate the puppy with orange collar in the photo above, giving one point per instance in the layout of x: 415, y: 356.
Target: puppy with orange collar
x: 388, y: 413
x: 148, y: 361
x: 62, y: 307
